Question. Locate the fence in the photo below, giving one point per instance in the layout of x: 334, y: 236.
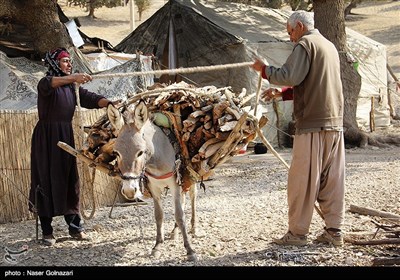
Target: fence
x: 15, y: 143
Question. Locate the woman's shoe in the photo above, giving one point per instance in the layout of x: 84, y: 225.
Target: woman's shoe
x: 49, y: 240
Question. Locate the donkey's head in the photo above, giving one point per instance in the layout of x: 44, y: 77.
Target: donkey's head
x: 131, y: 146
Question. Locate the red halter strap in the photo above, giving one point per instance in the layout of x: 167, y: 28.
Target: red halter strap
x: 165, y: 176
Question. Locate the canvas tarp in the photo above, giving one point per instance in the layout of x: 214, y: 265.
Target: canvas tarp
x: 213, y: 33
x: 100, y: 61
x: 20, y: 76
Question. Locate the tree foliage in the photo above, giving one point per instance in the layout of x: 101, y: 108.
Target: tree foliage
x: 91, y: 5
x: 142, y: 5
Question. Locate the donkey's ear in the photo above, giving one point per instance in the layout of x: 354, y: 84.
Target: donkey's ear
x: 141, y: 115
x: 115, y: 118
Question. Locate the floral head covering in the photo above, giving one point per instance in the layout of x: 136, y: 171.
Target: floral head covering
x: 51, y: 60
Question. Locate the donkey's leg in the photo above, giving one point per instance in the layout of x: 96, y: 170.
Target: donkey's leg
x: 193, y: 198
x: 175, y: 231
x: 159, y: 216
x: 195, y: 230
x: 180, y: 220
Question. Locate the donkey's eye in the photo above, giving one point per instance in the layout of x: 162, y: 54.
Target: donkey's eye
x: 139, y: 153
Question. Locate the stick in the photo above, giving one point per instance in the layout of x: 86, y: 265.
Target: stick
x: 377, y: 241
x: 385, y: 261
x: 372, y: 115
x: 391, y: 72
x: 90, y: 162
x: 37, y: 212
x: 372, y: 212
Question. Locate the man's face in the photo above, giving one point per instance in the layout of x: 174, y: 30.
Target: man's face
x: 295, y: 32
x: 65, y: 64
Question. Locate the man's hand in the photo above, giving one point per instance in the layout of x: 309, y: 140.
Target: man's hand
x: 271, y: 93
x: 258, y: 65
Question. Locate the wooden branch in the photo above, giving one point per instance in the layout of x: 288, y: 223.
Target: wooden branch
x: 385, y: 261
x: 223, y: 151
x: 99, y: 166
x: 246, y: 99
x: 360, y: 233
x: 391, y: 72
x: 377, y: 241
x: 269, y: 146
x: 372, y: 212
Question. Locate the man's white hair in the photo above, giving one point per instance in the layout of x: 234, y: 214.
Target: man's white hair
x: 304, y: 17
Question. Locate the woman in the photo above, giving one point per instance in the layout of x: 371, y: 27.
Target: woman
x: 54, y: 174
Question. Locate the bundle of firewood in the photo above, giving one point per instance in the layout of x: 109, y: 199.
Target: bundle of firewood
x: 208, y: 123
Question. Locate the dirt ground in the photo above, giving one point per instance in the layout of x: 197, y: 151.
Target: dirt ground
x: 243, y: 208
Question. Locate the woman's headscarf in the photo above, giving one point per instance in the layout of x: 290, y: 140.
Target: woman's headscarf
x: 51, y: 61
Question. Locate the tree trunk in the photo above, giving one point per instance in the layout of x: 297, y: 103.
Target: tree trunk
x: 351, y: 6
x: 329, y: 19
x: 91, y: 8
x: 42, y: 21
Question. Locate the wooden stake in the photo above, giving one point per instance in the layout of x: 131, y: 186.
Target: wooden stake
x: 372, y: 115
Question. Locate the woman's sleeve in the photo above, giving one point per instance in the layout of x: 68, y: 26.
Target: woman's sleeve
x: 89, y: 99
x: 44, y: 86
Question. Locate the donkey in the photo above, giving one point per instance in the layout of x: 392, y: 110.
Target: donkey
x: 143, y: 149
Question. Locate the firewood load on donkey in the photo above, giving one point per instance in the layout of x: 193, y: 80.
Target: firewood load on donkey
x: 206, y: 130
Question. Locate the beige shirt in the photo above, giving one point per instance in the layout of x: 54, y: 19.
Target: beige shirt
x: 313, y: 69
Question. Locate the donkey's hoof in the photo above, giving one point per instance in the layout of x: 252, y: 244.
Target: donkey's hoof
x: 197, y: 233
x: 192, y: 257
x: 156, y: 253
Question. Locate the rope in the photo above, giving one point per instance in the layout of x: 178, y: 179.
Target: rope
x: 91, y: 190
x: 81, y: 134
x: 196, y: 69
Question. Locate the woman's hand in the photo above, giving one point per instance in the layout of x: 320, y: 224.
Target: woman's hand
x: 82, y: 78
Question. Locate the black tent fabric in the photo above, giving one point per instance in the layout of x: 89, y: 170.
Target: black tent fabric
x: 178, y: 36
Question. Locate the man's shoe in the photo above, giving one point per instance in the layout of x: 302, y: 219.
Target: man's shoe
x: 81, y: 236
x: 291, y: 239
x: 49, y: 240
x: 331, y: 237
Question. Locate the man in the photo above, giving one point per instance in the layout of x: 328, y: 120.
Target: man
x: 54, y: 174
x: 317, y: 171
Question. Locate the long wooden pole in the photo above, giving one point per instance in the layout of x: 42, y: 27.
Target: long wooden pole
x: 132, y: 14
x: 270, y: 148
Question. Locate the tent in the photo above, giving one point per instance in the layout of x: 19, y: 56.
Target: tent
x: 203, y: 33
x: 180, y: 37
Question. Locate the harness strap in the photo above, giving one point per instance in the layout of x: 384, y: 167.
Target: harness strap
x: 165, y: 176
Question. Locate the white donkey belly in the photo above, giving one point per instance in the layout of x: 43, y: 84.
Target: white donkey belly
x: 157, y: 186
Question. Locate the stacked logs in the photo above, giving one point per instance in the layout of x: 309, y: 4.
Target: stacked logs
x: 208, y: 122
